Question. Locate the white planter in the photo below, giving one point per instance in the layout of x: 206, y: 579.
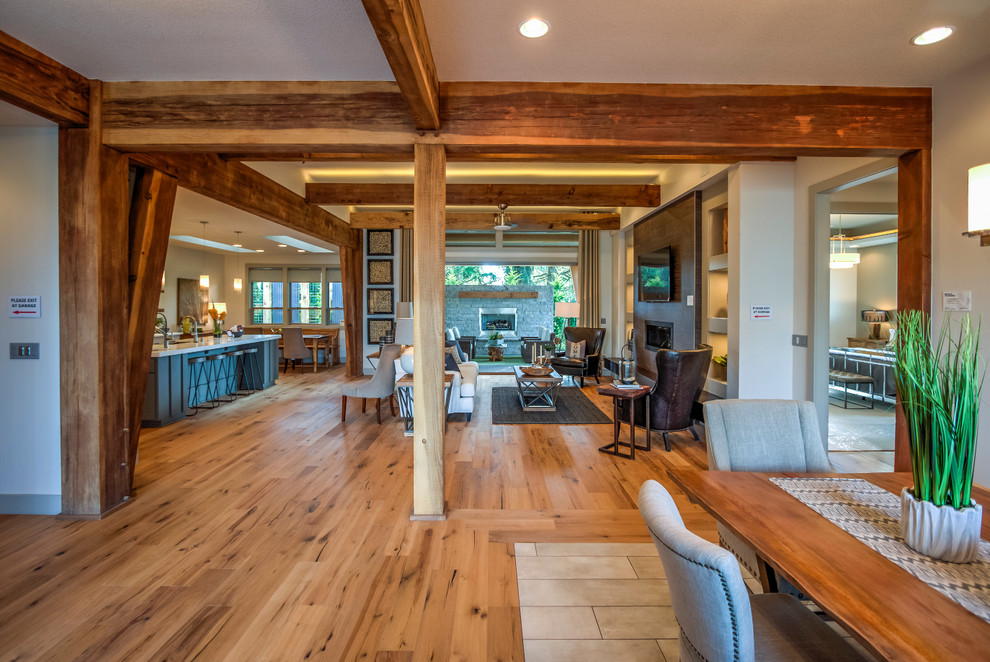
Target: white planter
x: 941, y: 532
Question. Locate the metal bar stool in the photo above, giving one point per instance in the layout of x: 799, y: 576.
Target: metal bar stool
x: 216, y: 367
x: 253, y: 379
x: 199, y: 377
x: 238, y: 360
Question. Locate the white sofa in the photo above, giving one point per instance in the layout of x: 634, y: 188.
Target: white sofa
x: 462, y: 390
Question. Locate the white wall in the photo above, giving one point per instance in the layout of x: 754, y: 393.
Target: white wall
x: 842, y: 306
x: 30, y: 469
x: 182, y: 262
x: 761, y: 266
x: 961, y: 107
x: 876, y: 285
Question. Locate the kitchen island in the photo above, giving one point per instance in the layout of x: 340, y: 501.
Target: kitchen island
x: 166, y: 399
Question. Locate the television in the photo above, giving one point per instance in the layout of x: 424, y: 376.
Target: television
x: 655, y: 272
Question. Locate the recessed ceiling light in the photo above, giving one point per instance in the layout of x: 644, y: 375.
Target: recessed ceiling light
x: 285, y: 240
x: 933, y: 35
x: 534, y: 28
x: 199, y: 241
x: 281, y: 245
x: 259, y: 250
x: 299, y: 250
x: 237, y: 245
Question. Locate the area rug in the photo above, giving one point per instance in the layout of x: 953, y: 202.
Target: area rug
x: 573, y: 408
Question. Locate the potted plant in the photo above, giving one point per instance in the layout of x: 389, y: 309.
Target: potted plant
x: 720, y: 365
x: 938, y: 389
x: 494, y: 338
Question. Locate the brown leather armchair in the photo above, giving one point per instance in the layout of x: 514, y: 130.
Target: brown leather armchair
x: 680, y: 381
x: 589, y: 366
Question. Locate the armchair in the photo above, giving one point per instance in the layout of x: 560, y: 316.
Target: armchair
x: 680, y: 379
x: 590, y: 365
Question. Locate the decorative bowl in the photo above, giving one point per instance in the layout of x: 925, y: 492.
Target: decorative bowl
x: 236, y: 334
x: 536, y: 370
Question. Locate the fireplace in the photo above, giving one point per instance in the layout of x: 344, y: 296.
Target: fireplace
x: 659, y: 335
x: 502, y: 320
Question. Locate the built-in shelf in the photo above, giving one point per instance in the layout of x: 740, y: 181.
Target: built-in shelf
x: 716, y: 387
x: 718, y: 325
x: 718, y: 262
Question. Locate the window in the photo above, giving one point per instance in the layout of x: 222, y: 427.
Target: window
x: 306, y: 295
x: 335, y: 300
x: 266, y: 295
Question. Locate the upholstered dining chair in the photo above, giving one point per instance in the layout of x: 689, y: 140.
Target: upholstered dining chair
x: 588, y: 366
x: 680, y: 379
x: 762, y: 435
x: 718, y: 619
x: 378, y: 386
x: 293, y: 347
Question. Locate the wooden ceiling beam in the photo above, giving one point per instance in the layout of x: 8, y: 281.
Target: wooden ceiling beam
x: 246, y: 189
x: 592, y: 120
x: 405, y: 154
x: 401, y: 31
x: 544, y: 195
x: 483, y: 221
x: 35, y: 82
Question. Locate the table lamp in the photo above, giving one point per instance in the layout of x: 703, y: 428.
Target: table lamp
x: 874, y: 318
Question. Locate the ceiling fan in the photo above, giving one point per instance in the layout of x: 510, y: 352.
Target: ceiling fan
x: 502, y: 219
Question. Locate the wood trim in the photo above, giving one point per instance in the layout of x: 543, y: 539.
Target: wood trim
x: 35, y: 82
x: 150, y: 220
x: 914, y: 258
x: 547, y: 195
x: 246, y: 189
x: 491, y: 294
x: 628, y: 121
x: 352, y: 284
x: 428, y: 399
x: 483, y: 221
x: 401, y: 31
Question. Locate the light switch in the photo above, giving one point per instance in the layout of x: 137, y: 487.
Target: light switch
x: 690, y: 299
x: 25, y: 350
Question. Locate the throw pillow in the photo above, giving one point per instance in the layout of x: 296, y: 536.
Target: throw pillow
x: 462, y: 357
x: 575, y: 350
x: 449, y: 363
x: 452, y: 350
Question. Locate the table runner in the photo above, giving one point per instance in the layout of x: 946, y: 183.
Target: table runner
x: 872, y: 515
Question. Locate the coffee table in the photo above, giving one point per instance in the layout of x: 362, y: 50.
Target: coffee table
x: 537, y: 393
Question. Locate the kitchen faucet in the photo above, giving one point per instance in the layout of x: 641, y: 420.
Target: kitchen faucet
x: 195, y: 326
x: 163, y: 325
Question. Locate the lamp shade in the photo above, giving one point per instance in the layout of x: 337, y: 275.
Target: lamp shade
x: 567, y: 309
x: 873, y: 316
x: 404, y: 309
x: 220, y: 307
x: 204, y: 280
x: 979, y: 198
x: 404, y: 331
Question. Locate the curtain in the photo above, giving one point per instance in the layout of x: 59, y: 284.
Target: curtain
x: 588, y: 284
x: 406, y: 265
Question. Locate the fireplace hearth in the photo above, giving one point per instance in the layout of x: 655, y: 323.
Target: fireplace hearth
x: 659, y: 335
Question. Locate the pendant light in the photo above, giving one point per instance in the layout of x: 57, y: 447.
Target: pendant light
x: 840, y: 259
x: 204, y: 278
x: 237, y: 279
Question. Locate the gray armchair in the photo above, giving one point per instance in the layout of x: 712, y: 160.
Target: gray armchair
x: 718, y: 618
x: 589, y: 366
x: 762, y: 435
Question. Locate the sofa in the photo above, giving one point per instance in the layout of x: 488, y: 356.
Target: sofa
x: 464, y: 386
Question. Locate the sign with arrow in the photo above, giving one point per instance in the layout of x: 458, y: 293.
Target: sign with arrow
x: 761, y: 312
x: 24, y: 306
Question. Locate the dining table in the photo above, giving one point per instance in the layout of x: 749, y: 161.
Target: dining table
x: 314, y: 341
x: 891, y: 612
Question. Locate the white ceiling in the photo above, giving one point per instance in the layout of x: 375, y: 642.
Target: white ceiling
x: 842, y: 42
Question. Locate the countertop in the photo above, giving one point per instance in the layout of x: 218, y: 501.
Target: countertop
x: 188, y: 346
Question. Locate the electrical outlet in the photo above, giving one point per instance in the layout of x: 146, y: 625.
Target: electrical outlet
x: 25, y: 350
x: 799, y: 341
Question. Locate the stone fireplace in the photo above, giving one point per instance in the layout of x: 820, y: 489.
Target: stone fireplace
x: 659, y: 335
x: 502, y: 320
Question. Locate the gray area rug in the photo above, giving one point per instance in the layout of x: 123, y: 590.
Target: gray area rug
x: 573, y: 408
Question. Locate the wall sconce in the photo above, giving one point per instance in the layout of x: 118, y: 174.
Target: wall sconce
x: 979, y: 204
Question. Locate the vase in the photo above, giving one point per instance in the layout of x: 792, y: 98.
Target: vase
x: 941, y: 532
x: 217, y: 328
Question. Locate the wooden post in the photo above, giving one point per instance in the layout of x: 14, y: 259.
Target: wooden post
x: 352, y: 284
x: 150, y: 220
x: 428, y: 408
x: 93, y: 318
x: 914, y: 258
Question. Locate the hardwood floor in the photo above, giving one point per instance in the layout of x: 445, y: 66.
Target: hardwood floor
x: 268, y: 530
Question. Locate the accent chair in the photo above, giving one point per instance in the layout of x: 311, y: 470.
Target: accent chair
x: 590, y: 365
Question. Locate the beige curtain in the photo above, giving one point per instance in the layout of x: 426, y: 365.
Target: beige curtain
x: 588, y: 283
x: 406, y: 266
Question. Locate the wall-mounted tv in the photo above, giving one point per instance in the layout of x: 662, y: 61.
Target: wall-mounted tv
x: 654, y: 273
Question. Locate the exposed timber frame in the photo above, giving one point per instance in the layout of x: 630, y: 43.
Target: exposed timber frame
x: 537, y: 195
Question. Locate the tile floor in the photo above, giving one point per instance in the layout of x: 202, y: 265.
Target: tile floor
x: 585, y: 602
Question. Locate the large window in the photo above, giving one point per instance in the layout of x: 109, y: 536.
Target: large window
x: 315, y: 295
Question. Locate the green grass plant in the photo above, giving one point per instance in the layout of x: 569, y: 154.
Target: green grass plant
x: 938, y: 388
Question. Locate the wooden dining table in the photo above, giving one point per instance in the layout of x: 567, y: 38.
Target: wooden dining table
x: 895, y: 615
x: 313, y: 342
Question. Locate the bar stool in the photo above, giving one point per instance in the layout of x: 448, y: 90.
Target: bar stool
x: 217, y: 369
x: 199, y: 377
x: 252, y: 367
x: 238, y: 360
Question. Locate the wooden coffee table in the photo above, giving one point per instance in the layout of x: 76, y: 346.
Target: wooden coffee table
x: 537, y: 393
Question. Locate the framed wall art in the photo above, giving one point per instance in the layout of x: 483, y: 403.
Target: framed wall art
x: 380, y: 272
x: 380, y: 242
x: 378, y: 328
x: 380, y: 301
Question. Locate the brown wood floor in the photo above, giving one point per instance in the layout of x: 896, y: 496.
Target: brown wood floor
x: 268, y: 530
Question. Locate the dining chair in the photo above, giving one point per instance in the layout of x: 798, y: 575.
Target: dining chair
x: 378, y: 386
x: 293, y: 347
x: 762, y: 435
x: 718, y: 619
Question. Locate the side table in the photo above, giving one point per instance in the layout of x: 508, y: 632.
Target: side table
x: 631, y: 395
